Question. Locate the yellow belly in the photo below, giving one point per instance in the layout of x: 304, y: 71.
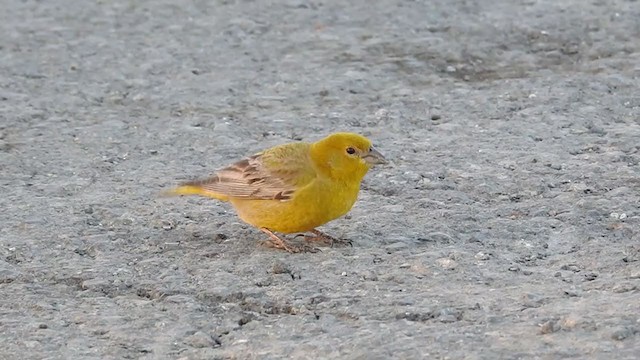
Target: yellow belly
x: 310, y: 207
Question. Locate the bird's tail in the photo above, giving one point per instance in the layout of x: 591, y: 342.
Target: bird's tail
x: 194, y: 190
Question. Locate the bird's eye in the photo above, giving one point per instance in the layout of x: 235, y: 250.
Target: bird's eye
x: 351, y: 150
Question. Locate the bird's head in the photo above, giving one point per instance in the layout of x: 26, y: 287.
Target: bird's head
x: 345, y: 156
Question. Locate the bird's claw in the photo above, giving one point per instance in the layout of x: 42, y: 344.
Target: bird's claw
x: 279, y: 243
x: 287, y: 246
x: 327, y: 239
x: 342, y: 242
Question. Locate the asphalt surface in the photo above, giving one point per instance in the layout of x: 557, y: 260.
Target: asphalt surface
x: 506, y: 227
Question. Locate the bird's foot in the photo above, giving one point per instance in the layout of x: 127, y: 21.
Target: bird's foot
x: 327, y: 239
x: 279, y: 243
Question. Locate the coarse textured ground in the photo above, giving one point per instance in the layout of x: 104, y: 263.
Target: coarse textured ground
x: 507, y: 226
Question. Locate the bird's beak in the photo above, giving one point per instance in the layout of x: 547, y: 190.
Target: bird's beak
x: 373, y: 157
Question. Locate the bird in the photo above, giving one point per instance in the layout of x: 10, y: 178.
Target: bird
x: 294, y: 187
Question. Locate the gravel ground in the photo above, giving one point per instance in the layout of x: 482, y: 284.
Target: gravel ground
x: 506, y: 227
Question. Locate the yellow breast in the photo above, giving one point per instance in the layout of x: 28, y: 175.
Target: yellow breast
x: 312, y: 206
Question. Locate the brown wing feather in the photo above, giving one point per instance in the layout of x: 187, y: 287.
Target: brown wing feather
x: 250, y: 179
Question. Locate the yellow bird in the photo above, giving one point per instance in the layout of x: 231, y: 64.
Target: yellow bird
x: 293, y: 188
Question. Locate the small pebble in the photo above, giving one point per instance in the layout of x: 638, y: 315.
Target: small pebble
x: 381, y: 114
x: 549, y: 327
x: 447, y: 263
x: 573, y: 293
x: 370, y: 276
x: 412, y: 176
x: 449, y: 315
x: 568, y: 323
x: 127, y: 219
x: 590, y: 276
x: 625, y: 287
x: 201, y: 340
x: 618, y: 216
x: 280, y: 268
x: 220, y: 237
x: 531, y: 300
x: 570, y: 267
x: 622, y: 334
x: 168, y: 225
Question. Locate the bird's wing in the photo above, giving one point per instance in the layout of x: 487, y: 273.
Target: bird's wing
x: 274, y: 174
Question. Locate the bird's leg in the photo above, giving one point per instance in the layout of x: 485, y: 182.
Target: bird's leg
x: 320, y: 236
x: 280, y: 243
